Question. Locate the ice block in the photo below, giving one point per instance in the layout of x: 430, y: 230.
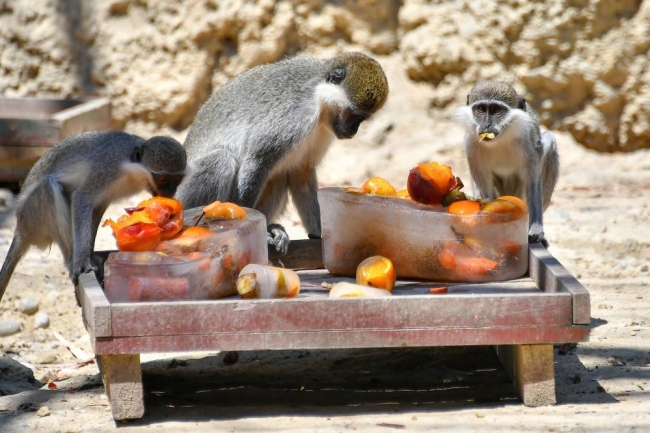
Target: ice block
x: 202, y: 267
x: 267, y: 282
x: 422, y: 241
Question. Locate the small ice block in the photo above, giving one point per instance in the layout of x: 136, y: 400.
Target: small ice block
x: 210, y: 266
x: 267, y: 282
x: 421, y: 240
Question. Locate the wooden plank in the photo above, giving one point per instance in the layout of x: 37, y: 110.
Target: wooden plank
x: 28, y: 132
x: 91, y: 115
x: 33, y: 108
x: 549, y: 274
x: 95, y: 308
x: 532, y: 369
x: 309, y: 314
x: 342, y: 339
x: 302, y: 254
x: 122, y: 378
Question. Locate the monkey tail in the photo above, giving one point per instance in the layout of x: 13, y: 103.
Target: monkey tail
x: 61, y: 213
x: 16, y: 252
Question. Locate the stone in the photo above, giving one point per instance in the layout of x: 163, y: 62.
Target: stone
x: 41, y: 320
x: 8, y: 327
x: 27, y: 305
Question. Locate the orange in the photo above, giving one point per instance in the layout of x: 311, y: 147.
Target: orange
x: 516, y: 200
x: 376, y: 271
x: 464, y: 207
x: 378, y: 186
x: 429, y: 183
x: 224, y: 211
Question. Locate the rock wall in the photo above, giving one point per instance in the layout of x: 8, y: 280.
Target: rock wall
x: 582, y: 64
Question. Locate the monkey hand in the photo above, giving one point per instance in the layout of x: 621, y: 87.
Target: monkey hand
x: 82, y: 268
x: 278, y: 237
x: 536, y: 235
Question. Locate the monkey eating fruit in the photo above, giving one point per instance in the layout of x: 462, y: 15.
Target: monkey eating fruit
x: 507, y: 153
x: 69, y: 188
x: 264, y: 133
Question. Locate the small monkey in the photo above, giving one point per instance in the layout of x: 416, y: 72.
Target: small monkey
x: 507, y: 153
x: 264, y: 133
x: 69, y: 188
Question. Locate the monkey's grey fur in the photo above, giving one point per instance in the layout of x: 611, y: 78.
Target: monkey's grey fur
x: 265, y: 131
x: 69, y: 188
x: 520, y: 160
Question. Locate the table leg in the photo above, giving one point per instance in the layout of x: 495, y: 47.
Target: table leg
x: 531, y: 367
x: 122, y: 378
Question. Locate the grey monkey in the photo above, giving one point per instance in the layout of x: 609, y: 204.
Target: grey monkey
x: 507, y: 153
x: 264, y: 132
x: 70, y: 187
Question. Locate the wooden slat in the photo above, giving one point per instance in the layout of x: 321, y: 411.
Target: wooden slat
x: 308, y: 314
x: 29, y: 132
x: 343, y: 339
x: 33, y: 108
x: 531, y: 367
x: 302, y: 254
x: 94, y: 306
x: 91, y: 115
x: 549, y: 274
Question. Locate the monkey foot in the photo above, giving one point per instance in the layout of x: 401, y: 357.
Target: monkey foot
x: 278, y: 237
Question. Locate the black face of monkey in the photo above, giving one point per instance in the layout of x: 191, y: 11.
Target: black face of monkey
x: 489, y: 117
x: 165, y: 184
x: 346, y: 123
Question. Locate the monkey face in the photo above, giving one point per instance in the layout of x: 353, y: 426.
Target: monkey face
x: 489, y: 117
x: 165, y: 184
x: 345, y: 123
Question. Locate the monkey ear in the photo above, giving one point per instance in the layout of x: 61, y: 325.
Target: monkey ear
x: 138, y: 151
x: 467, y: 99
x: 521, y: 104
x: 335, y: 76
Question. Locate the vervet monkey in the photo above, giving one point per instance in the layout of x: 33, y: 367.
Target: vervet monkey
x: 506, y: 152
x: 264, y: 132
x: 69, y: 188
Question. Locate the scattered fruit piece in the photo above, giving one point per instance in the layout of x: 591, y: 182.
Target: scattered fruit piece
x: 430, y: 183
x: 464, y: 207
x: 376, y: 271
x: 403, y: 193
x: 378, y: 186
x: 349, y: 290
x: 224, y: 211
x: 354, y: 190
x: 438, y: 290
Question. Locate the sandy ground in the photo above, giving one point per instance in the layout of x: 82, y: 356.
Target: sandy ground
x: 598, y: 228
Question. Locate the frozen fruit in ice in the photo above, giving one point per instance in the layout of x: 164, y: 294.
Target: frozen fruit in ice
x: 376, y: 271
x: 429, y: 183
x: 166, y: 212
x: 135, y: 232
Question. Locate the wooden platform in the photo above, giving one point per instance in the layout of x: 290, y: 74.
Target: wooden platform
x: 521, y: 318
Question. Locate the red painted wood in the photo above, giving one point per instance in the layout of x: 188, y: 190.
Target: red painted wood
x: 343, y: 339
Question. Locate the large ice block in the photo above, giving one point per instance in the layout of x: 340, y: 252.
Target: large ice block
x: 422, y: 241
x: 186, y: 268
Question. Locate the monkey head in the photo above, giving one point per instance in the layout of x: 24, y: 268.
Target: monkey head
x: 166, y: 161
x: 493, y: 105
x: 361, y: 88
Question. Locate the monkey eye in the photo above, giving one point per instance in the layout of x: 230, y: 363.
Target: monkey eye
x: 497, y: 110
x: 335, y: 76
x: 161, y: 178
x: 480, y: 109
